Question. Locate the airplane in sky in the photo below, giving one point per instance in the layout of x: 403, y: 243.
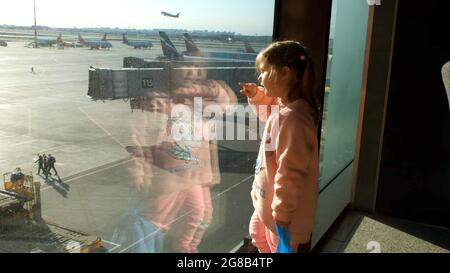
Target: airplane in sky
x: 194, y: 51
x: 3, y: 43
x: 170, y: 14
x: 95, y: 44
x: 137, y: 43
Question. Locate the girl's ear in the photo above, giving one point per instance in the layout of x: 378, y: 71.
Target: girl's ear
x: 286, y: 72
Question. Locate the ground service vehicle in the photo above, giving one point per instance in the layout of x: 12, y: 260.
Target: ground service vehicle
x: 22, y: 228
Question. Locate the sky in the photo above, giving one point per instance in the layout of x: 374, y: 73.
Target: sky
x: 248, y: 17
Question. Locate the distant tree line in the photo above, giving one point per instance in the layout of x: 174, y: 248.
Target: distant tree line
x: 196, y: 34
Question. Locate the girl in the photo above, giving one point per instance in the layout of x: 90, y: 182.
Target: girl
x: 285, y: 188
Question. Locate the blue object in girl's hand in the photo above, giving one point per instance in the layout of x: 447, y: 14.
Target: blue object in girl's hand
x: 284, y: 239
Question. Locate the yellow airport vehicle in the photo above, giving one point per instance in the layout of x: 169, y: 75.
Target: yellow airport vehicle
x: 22, y: 228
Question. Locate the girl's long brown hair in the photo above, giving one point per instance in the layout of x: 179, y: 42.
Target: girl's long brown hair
x: 294, y: 55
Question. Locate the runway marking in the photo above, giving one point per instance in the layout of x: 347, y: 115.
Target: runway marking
x: 236, y: 248
x: 153, y: 233
x: 111, y: 243
x: 183, y: 215
x: 91, y: 173
x: 234, y: 186
x: 101, y: 127
x: 137, y: 242
x: 29, y: 122
x: 25, y: 142
x: 53, y: 148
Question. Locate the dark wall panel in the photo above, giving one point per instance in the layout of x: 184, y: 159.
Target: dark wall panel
x: 308, y: 22
x: 415, y: 165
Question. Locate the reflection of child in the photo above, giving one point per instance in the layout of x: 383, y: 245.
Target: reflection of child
x: 285, y: 188
x: 179, y: 173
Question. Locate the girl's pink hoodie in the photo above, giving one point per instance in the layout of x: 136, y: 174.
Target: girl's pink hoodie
x: 286, y: 179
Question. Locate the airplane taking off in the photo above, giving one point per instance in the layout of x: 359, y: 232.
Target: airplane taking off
x: 95, y: 44
x: 137, y: 43
x: 170, y: 15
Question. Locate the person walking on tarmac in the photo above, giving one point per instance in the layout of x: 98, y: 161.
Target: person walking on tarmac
x: 45, y: 164
x: 51, y: 164
x: 40, y: 162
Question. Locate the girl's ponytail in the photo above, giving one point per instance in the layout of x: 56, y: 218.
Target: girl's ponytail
x: 309, y: 88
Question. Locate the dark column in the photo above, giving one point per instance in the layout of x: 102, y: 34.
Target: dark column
x: 308, y: 22
x: 374, y: 94
x: 414, y: 177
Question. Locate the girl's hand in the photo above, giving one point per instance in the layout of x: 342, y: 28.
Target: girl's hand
x: 250, y: 89
x: 282, y: 224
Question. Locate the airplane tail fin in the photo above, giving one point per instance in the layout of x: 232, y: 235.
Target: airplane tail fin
x: 169, y: 49
x: 163, y: 36
x: 191, y: 47
x: 249, y: 48
x: 80, y: 39
x: 178, y: 15
x: 124, y: 39
x: 104, y: 37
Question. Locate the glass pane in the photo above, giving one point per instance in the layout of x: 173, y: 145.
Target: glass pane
x: 99, y: 88
x: 343, y: 85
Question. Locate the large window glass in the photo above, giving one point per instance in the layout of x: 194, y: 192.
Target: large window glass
x: 105, y: 142
x: 343, y: 84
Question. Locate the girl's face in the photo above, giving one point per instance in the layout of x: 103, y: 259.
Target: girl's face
x: 186, y: 76
x: 275, y: 82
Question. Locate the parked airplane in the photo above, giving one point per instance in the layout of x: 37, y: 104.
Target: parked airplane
x: 193, y: 50
x: 3, y: 43
x: 62, y: 43
x: 193, y: 53
x: 137, y: 43
x: 169, y: 14
x: 191, y: 47
x: 169, y: 50
x: 45, y: 41
x: 95, y: 44
x: 249, y: 48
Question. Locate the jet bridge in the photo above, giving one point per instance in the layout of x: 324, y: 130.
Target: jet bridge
x: 140, y: 77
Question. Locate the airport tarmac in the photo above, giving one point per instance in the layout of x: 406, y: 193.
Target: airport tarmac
x: 47, y: 111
